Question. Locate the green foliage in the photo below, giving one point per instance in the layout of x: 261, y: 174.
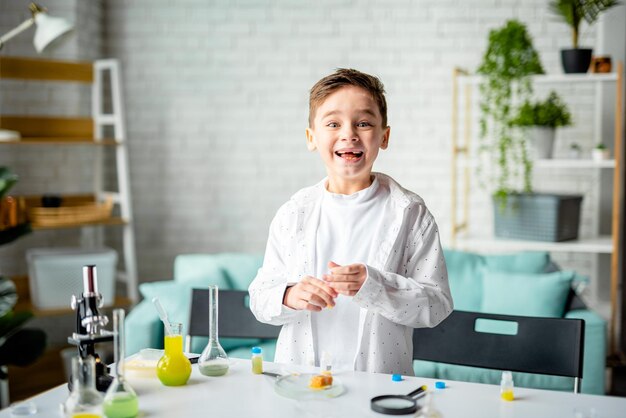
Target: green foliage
x: 18, y: 346
x: 600, y: 146
x: 573, y: 12
x: 7, y: 180
x: 551, y: 113
x: 508, y: 63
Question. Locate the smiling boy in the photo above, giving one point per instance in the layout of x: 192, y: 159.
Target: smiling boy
x: 356, y: 242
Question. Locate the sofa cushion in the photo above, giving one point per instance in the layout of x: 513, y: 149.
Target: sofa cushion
x: 492, y: 377
x: 239, y: 268
x: 465, y: 278
x: 465, y: 272
x: 594, y: 362
x: 176, y: 300
x: 526, y: 294
x: 524, y: 262
x: 268, y: 347
x: 201, y: 268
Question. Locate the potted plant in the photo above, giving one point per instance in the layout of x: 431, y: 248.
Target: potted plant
x: 574, y: 151
x: 600, y: 152
x: 18, y: 346
x: 508, y: 63
x: 573, y: 12
x: 540, y: 120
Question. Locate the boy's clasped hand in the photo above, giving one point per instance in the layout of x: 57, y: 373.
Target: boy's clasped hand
x: 314, y: 294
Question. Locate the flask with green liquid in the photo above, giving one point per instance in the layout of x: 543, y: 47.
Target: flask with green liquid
x: 213, y: 361
x: 120, y: 400
x: 174, y: 368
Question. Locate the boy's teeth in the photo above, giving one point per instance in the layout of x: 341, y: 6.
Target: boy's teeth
x: 349, y: 154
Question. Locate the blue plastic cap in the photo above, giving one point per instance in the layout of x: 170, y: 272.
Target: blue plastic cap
x: 440, y: 385
x: 396, y: 377
x: 256, y: 350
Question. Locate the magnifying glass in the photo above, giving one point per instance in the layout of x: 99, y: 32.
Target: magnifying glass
x: 397, y: 404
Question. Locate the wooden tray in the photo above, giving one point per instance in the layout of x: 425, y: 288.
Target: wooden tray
x: 70, y: 214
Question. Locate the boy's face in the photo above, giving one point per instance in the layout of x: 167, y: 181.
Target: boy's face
x: 347, y: 131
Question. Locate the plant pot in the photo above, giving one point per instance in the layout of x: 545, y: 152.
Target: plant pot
x: 575, y: 60
x: 541, y: 140
x: 537, y: 217
x: 598, y: 154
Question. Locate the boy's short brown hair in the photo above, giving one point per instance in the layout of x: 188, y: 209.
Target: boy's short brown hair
x: 347, y: 77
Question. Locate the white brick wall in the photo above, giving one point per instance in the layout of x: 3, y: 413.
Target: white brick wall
x: 216, y: 98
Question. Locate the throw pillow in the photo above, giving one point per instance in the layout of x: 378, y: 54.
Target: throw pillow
x: 526, y: 294
x: 466, y: 270
x: 200, y: 267
x: 176, y: 300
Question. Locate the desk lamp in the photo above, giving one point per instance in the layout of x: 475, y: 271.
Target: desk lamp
x: 48, y: 29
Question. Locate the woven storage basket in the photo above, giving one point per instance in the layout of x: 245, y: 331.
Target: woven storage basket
x: 71, y: 214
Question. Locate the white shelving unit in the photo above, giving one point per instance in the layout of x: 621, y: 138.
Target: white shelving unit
x: 463, y: 237
x: 90, y: 132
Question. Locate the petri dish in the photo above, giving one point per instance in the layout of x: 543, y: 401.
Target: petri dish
x: 23, y: 409
x: 296, y: 386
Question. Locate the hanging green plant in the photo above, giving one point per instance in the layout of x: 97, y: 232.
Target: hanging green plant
x: 508, y: 63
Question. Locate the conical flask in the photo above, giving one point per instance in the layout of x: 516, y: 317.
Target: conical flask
x: 120, y: 400
x: 213, y: 361
x: 85, y: 400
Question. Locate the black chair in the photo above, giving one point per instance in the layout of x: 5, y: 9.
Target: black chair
x: 235, y: 320
x: 551, y: 346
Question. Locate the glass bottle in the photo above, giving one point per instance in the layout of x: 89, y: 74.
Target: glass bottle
x: 428, y: 410
x: 120, y: 400
x: 84, y: 401
x: 506, y: 386
x: 174, y: 368
x: 257, y: 360
x: 213, y: 361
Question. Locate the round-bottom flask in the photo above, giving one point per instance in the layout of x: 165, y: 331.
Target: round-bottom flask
x: 174, y: 368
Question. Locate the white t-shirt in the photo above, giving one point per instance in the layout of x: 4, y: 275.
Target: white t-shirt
x: 347, y: 226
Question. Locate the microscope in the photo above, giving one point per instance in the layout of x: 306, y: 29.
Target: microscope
x: 90, y: 325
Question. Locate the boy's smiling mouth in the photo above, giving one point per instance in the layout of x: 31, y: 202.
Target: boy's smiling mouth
x: 349, y: 155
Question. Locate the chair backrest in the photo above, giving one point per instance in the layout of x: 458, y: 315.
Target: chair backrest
x: 551, y: 346
x: 235, y: 320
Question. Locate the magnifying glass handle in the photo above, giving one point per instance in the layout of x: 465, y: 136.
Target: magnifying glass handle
x: 419, y: 391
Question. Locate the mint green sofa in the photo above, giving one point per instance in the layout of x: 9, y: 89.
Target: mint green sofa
x: 478, y: 283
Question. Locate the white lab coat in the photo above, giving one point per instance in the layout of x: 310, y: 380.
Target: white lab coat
x: 406, y: 288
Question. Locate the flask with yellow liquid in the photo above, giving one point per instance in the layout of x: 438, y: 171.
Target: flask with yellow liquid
x: 84, y: 401
x: 174, y: 368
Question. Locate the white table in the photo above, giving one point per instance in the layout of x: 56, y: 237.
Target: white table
x: 241, y: 394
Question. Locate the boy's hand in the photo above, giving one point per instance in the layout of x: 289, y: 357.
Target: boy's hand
x: 346, y: 280
x: 310, y: 294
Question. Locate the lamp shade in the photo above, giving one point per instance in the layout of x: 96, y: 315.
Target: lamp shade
x: 48, y: 29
